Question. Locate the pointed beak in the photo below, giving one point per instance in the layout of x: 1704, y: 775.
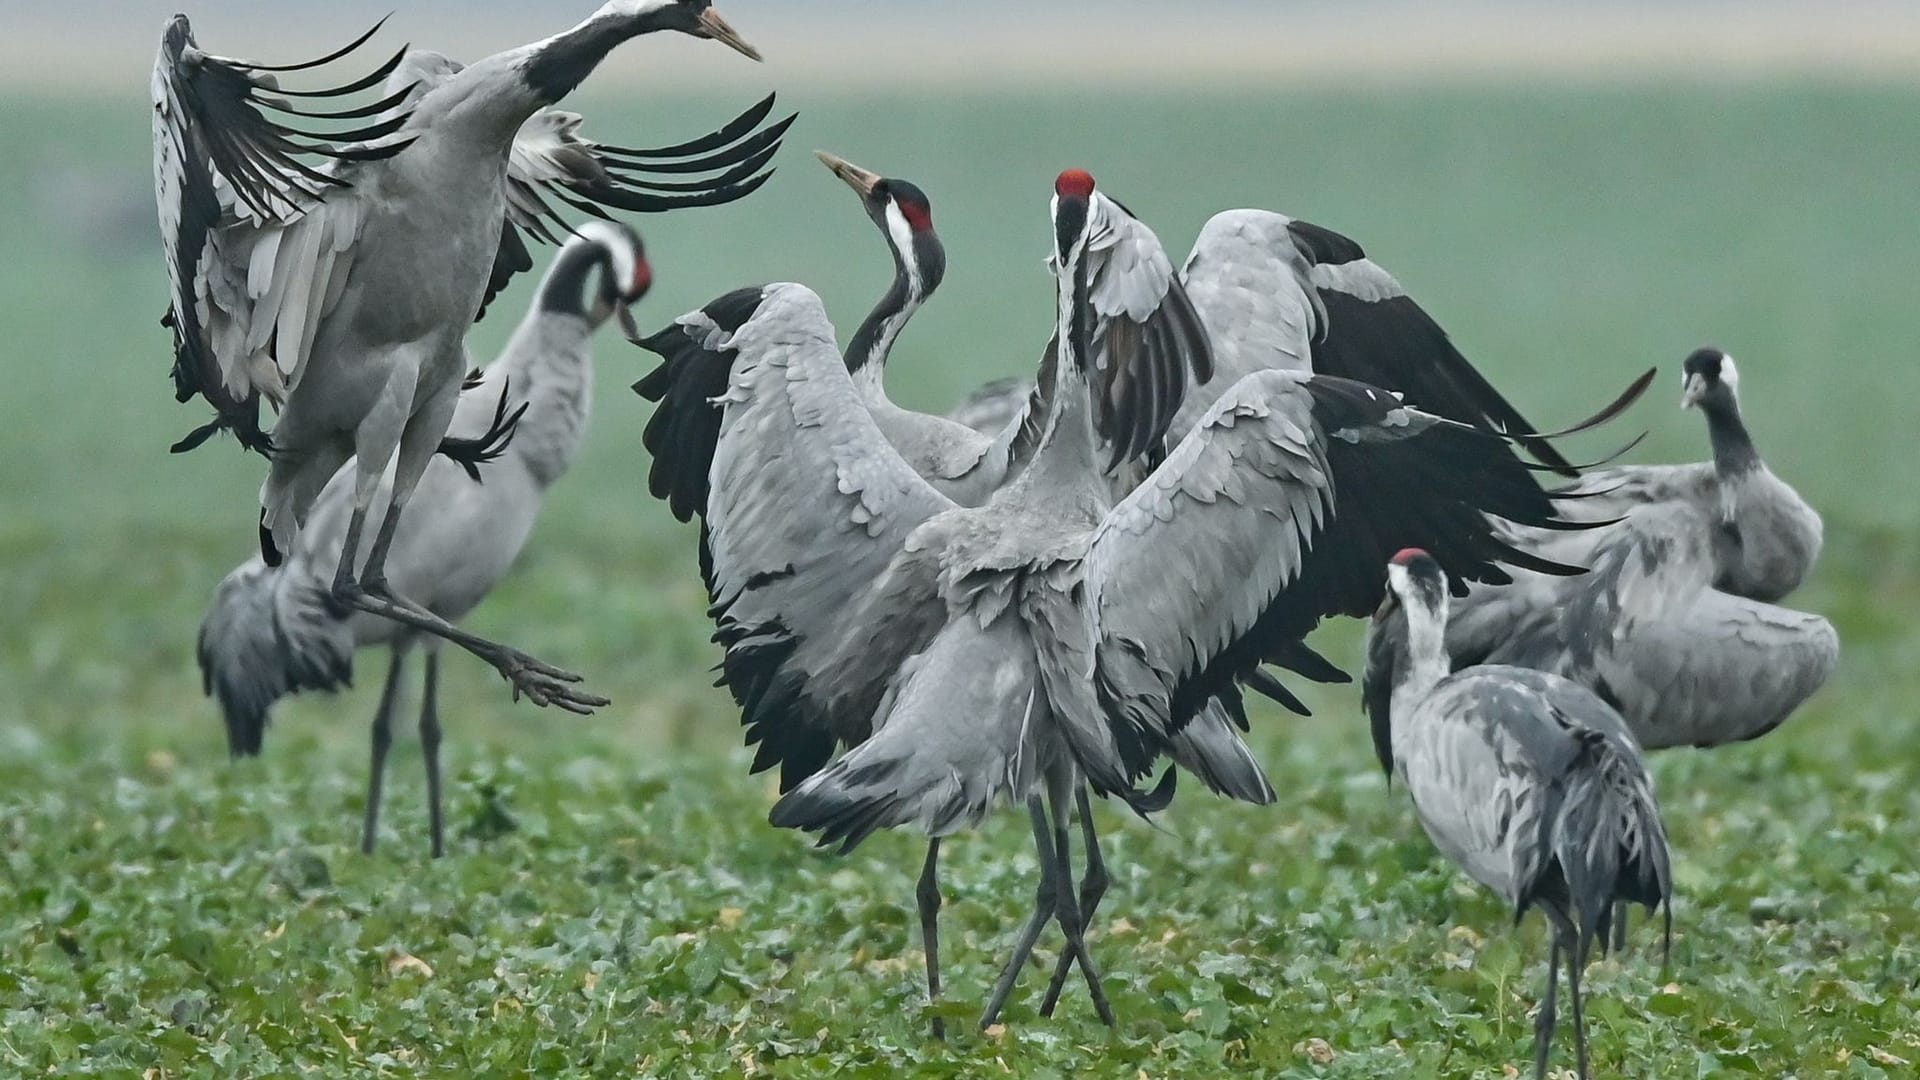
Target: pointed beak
x: 1388, y: 604
x: 853, y: 175
x: 628, y: 327
x: 1691, y: 391
x: 717, y: 28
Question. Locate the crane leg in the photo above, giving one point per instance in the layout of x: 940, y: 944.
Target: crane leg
x: 928, y: 894
x: 1579, y: 1017
x: 430, y: 749
x: 1071, y: 921
x: 1044, y: 911
x: 1620, y: 911
x: 1093, y: 886
x: 382, y: 740
x: 1543, y: 1024
x: 540, y: 682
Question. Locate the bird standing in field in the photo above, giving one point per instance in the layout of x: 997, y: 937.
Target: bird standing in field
x: 1009, y: 650
x: 962, y: 464
x: 273, y: 630
x: 342, y: 293
x: 1526, y: 781
x: 1679, y: 626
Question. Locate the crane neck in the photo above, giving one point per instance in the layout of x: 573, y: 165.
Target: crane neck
x: 490, y: 99
x: 872, y: 343
x: 1426, y: 661
x: 1069, y: 448
x: 548, y: 365
x: 1734, y: 454
x: 557, y: 66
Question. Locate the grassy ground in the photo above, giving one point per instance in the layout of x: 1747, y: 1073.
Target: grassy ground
x: 614, y: 902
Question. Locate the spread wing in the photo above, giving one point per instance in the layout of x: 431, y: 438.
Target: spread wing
x: 1685, y: 663
x: 222, y: 165
x: 553, y: 163
x: 996, y: 405
x: 1277, y: 292
x: 806, y: 507
x: 1278, y: 510
x: 1148, y: 341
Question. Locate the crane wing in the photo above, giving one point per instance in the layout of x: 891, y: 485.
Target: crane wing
x: 221, y: 165
x: 1148, y: 341
x: 553, y: 163
x: 1278, y: 510
x: 992, y: 408
x: 1687, y: 664
x: 1280, y: 292
x: 806, y: 507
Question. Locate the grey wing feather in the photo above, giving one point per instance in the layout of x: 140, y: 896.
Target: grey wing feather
x: 1248, y: 281
x: 1240, y: 498
x: 808, y: 507
x: 1211, y: 748
x: 1150, y: 345
x: 551, y: 162
x: 1281, y: 292
x: 1242, y: 540
x: 990, y: 409
x: 227, y: 181
x: 955, y: 736
x: 1686, y: 664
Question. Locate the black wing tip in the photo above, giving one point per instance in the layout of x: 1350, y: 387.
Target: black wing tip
x: 269, y: 551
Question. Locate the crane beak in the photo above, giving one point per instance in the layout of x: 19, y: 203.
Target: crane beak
x: 628, y: 326
x: 1388, y: 604
x: 713, y: 26
x: 1692, y: 391
x: 853, y: 175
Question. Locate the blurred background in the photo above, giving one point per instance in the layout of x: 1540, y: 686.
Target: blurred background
x: 1575, y: 190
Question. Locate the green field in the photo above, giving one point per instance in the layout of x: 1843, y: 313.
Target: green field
x: 614, y: 902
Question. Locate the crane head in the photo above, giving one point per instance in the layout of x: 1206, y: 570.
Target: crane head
x: 1414, y: 579
x: 1072, y: 208
x: 1708, y: 378
x: 694, y: 17
x: 904, y: 215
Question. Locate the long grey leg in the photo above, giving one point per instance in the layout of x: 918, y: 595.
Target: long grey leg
x: 1579, y: 1017
x: 1072, y: 923
x: 928, y: 895
x: 1620, y: 911
x: 542, y: 683
x: 430, y: 749
x: 1544, y: 1023
x: 1044, y: 911
x: 382, y: 740
x: 1093, y: 886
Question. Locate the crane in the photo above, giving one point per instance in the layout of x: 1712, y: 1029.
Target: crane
x: 273, y: 630
x: 1528, y: 782
x: 342, y: 293
x: 1011, y: 650
x: 1761, y: 537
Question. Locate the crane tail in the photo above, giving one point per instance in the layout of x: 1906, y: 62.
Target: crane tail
x: 253, y: 651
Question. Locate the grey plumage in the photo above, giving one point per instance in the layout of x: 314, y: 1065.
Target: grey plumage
x: 342, y: 294
x: 991, y: 408
x: 1524, y: 780
x: 851, y: 593
x: 1279, y: 293
x: 1675, y: 625
x: 273, y: 631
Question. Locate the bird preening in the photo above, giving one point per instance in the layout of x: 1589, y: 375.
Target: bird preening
x: 1061, y: 592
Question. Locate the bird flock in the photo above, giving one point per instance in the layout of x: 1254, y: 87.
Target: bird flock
x: 1062, y: 591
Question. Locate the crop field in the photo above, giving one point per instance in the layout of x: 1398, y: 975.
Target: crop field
x: 614, y: 902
